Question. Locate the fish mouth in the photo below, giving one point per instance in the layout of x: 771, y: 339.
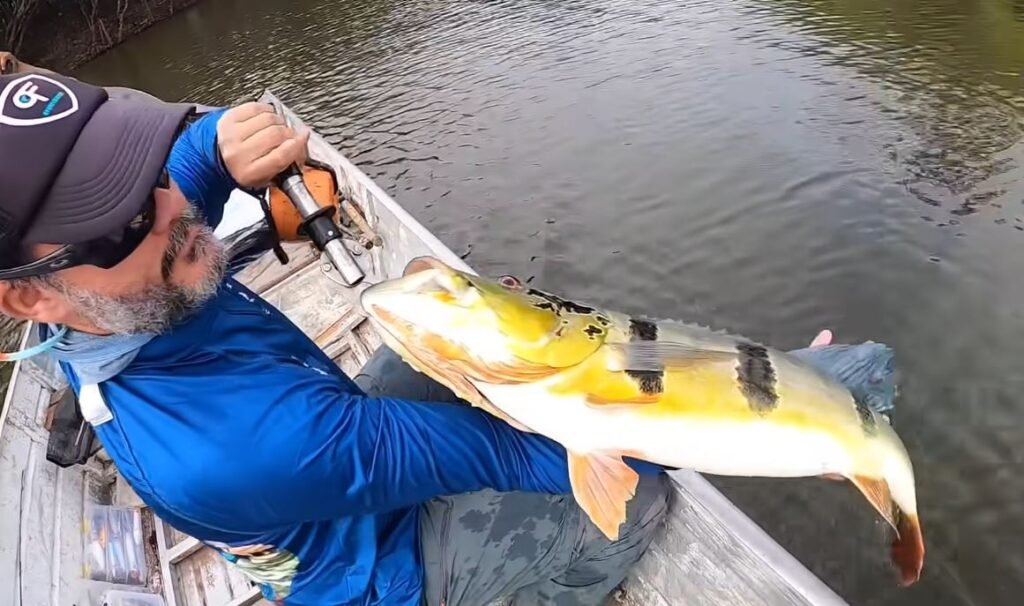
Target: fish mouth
x: 422, y: 277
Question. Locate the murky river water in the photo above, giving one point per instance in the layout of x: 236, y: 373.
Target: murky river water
x: 770, y: 166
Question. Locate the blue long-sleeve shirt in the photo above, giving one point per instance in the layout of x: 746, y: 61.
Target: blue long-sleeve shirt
x: 237, y: 429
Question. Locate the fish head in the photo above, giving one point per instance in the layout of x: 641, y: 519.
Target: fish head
x: 498, y: 329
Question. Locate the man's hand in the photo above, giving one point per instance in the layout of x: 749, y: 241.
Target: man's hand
x: 256, y: 145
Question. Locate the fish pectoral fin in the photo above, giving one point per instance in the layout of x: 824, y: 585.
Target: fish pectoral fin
x: 460, y: 385
x: 603, y: 485
x: 640, y: 398
x: 657, y: 356
x: 908, y: 547
x: 468, y: 392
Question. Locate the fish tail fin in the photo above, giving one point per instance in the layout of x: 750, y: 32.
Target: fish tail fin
x: 868, y: 370
x: 602, y: 485
x: 908, y: 546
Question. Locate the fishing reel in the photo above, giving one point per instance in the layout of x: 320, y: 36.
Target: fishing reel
x: 302, y: 205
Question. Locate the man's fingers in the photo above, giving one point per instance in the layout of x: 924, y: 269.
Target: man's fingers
x: 247, y: 111
x: 824, y: 338
x: 303, y: 139
x: 267, y: 140
x: 256, y: 144
x: 266, y: 168
x: 257, y: 124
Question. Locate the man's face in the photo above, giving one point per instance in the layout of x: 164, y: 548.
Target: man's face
x: 175, y: 269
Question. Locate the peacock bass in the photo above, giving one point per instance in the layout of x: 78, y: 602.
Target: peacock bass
x: 607, y: 386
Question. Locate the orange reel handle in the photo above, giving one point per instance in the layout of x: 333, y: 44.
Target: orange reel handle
x: 324, y: 189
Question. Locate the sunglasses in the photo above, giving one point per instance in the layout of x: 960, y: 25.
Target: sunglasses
x: 104, y: 252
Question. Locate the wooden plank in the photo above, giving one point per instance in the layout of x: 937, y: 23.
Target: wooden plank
x: 362, y: 352
x: 175, y: 536
x: 267, y: 272
x: 312, y: 302
x: 206, y: 571
x: 335, y: 337
x: 190, y: 592
x: 36, y: 532
x: 10, y: 526
x: 253, y: 596
x: 183, y: 549
x: 17, y: 390
x: 240, y: 584
x: 170, y: 592
x: 71, y: 515
x: 348, y: 362
x: 368, y: 335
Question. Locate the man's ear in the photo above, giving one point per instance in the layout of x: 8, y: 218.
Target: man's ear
x: 29, y: 301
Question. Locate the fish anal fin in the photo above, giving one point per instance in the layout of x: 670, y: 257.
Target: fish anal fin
x: 908, y: 548
x: 493, y: 372
x: 603, y: 485
x: 876, y: 491
x: 425, y: 362
x: 467, y: 391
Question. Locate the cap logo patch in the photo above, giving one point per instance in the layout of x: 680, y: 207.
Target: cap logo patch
x: 34, y: 99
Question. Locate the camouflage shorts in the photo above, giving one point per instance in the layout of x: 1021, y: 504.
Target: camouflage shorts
x: 527, y: 548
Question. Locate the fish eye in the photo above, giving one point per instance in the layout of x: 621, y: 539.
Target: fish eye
x: 510, y: 282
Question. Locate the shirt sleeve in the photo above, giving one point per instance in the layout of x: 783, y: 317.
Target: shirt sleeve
x: 196, y: 167
x: 364, y: 455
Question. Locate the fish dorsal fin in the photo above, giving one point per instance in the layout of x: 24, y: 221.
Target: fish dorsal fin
x: 603, y: 485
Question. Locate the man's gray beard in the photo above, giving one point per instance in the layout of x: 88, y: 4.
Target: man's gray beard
x: 157, y: 308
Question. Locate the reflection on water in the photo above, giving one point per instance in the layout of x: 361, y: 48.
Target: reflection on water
x: 767, y: 166
x: 949, y: 74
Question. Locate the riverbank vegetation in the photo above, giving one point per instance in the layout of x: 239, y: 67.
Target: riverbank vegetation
x: 63, y: 34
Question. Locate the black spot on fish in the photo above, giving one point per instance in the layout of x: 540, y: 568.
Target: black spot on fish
x: 650, y: 382
x: 593, y: 331
x: 545, y: 305
x: 867, y: 420
x: 642, y: 330
x: 603, y: 321
x: 756, y: 377
x: 562, y: 304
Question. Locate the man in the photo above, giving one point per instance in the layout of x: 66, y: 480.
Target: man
x: 230, y: 423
